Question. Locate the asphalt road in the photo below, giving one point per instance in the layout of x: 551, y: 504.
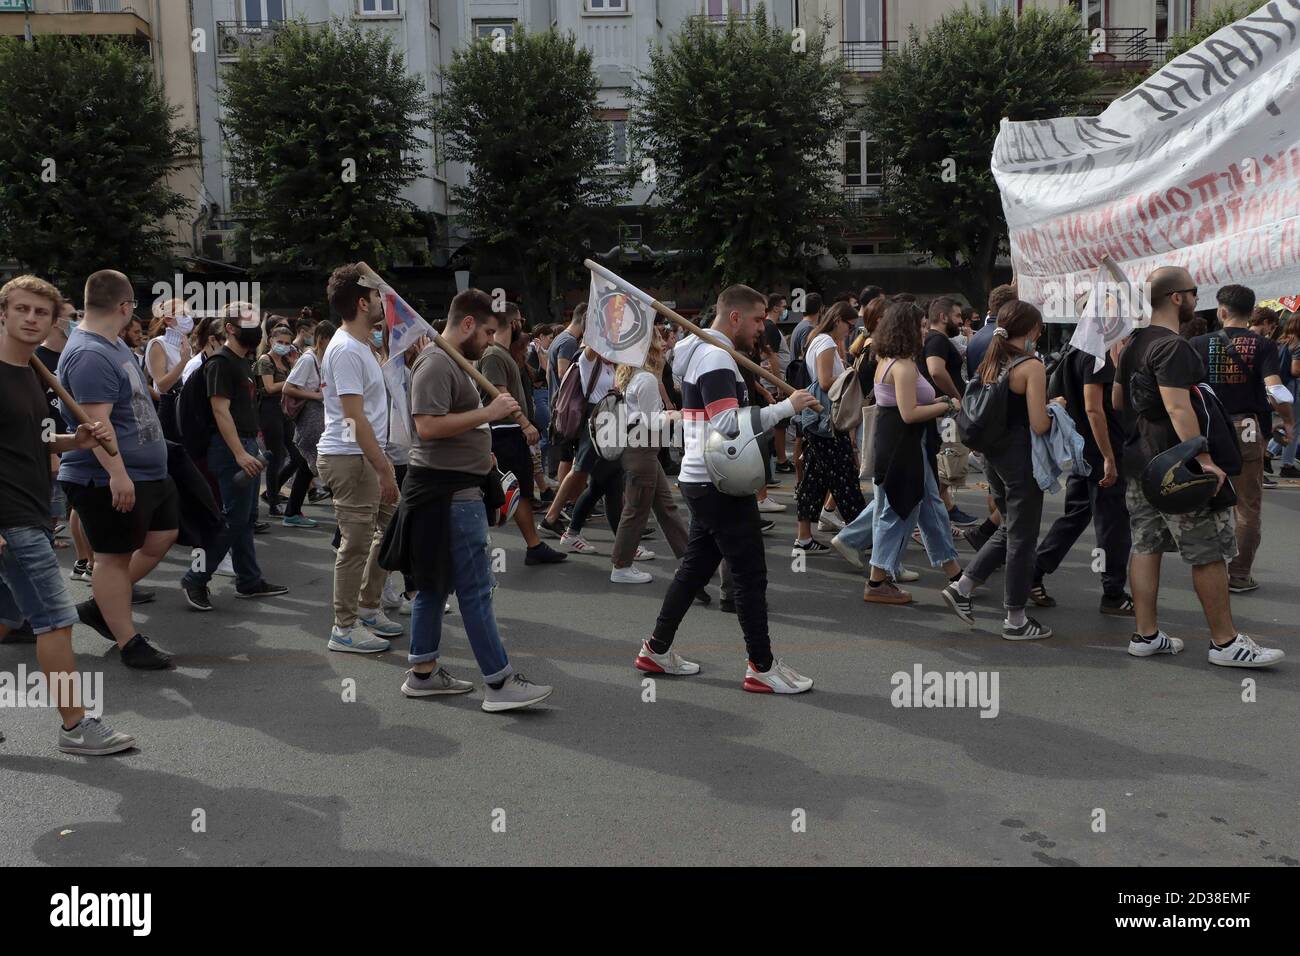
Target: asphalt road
x: 253, y: 730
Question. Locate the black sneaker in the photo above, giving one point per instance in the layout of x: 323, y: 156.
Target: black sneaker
x: 142, y: 595
x: 765, y: 525
x: 197, y: 596
x: 261, y: 527
x: 647, y: 533
x: 140, y: 655
x: 275, y: 511
x: 702, y: 597
x: 81, y: 570
x: 262, y: 588
x: 1038, y: 594
x: 1119, y: 605
x: 812, y: 547
x: 89, y: 614
x: 1289, y: 471
x: 963, y: 607
x: 1268, y: 465
x: 553, y: 529
x: 22, y: 634
x: 1269, y: 482
x: 547, y: 496
x: 543, y: 553
x: 785, y: 467
x: 727, y: 606
x: 317, y: 494
x: 1031, y: 630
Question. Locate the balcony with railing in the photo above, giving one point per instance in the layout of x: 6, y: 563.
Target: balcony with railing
x: 864, y: 201
x: 866, y: 56
x: 235, y: 36
x: 1126, y: 49
x: 119, y: 18
x: 720, y: 19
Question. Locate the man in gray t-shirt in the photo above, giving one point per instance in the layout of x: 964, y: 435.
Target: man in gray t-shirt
x: 439, y: 387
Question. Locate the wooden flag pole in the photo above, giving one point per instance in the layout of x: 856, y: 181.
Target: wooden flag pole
x: 69, y: 403
x: 469, y: 368
x: 725, y: 344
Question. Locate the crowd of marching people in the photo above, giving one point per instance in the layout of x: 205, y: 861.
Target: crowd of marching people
x: 177, y: 432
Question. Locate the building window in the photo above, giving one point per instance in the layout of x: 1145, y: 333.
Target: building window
x: 262, y: 12
x: 998, y: 6
x: 864, y: 21
x: 607, y: 6
x: 487, y: 29
x: 1173, y: 17
x: 1091, y: 13
x: 720, y: 8
x: 863, y: 164
x: 616, y: 128
x: 379, y: 8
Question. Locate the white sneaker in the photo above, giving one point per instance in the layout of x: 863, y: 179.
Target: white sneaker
x: 643, y: 554
x: 405, y: 609
x: 577, y: 543
x: 670, y: 663
x: 356, y: 641
x: 630, y: 575
x: 1243, y: 652
x: 1162, y: 643
x: 830, y: 521
x: 391, y: 599
x: 770, y: 506
x: 850, y: 555
x: 226, y: 568
x: 781, y: 678
x: 906, y: 575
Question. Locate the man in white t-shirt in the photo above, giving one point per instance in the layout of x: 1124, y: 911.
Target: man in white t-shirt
x: 351, y: 461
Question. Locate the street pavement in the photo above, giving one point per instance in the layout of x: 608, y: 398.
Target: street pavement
x: 251, y: 755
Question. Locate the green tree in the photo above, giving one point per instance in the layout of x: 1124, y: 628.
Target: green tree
x: 523, y: 113
x: 1206, y: 24
x: 86, y: 145
x: 324, y: 126
x: 742, y: 123
x: 936, y: 109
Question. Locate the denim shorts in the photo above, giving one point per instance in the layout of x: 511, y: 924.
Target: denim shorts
x: 32, y: 588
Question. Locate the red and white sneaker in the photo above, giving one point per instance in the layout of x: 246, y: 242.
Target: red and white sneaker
x: 670, y: 663
x: 781, y: 678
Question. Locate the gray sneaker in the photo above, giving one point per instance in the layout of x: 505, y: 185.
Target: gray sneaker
x: 518, y: 691
x: 433, y: 684
x: 93, y: 738
x: 356, y: 640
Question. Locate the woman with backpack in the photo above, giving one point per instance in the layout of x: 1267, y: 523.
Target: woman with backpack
x: 646, y: 486
x: 829, y: 467
x: 304, y: 385
x: 1010, y: 364
x: 165, y: 356
x: 272, y: 368
x: 907, y: 487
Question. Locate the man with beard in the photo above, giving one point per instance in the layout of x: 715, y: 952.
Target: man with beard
x: 440, y: 535
x: 722, y: 525
x: 1153, y: 392
x: 352, y: 464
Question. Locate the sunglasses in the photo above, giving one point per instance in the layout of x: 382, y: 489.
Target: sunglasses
x: 1192, y: 290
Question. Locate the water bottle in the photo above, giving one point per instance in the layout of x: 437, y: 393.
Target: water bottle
x: 241, y: 477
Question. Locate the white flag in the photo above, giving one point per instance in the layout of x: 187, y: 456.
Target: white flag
x: 1109, y: 315
x: 620, y: 319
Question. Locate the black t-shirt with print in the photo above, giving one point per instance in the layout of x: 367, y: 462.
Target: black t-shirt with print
x: 1238, y: 379
x: 1155, y: 356
x: 232, y: 377
x: 938, y: 345
x: 25, y: 481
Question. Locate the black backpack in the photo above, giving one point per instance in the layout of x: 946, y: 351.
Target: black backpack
x: 796, y: 373
x: 1058, y: 373
x: 982, y: 420
x: 194, y: 414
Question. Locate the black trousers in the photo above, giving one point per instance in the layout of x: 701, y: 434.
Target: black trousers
x: 604, y: 480
x: 722, y: 526
x: 1087, y: 502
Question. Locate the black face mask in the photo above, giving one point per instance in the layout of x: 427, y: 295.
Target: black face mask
x: 250, y: 338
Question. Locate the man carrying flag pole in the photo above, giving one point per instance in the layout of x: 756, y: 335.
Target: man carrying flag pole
x: 723, y: 525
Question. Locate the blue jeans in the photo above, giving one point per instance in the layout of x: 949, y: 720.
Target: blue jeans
x: 32, y: 588
x: 892, y: 531
x: 1288, y: 452
x: 472, y: 582
x: 239, y: 505
x: 859, y: 533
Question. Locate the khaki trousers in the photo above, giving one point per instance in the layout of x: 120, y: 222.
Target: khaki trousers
x: 358, y: 579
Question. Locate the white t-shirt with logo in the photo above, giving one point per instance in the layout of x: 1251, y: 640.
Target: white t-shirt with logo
x: 349, y: 367
x: 815, y: 348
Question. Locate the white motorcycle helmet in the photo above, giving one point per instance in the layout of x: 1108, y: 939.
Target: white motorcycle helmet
x: 735, y: 465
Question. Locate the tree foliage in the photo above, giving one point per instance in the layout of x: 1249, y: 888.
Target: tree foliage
x: 743, y: 128
x: 523, y: 113
x: 86, y: 145
x: 1206, y: 24
x: 324, y: 126
x: 936, y: 110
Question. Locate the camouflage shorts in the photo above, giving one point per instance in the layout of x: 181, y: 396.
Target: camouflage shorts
x: 1201, y: 537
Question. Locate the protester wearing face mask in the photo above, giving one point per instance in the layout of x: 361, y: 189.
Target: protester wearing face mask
x: 165, y: 356
x: 270, y: 372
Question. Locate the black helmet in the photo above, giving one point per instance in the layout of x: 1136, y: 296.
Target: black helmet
x: 1174, y: 482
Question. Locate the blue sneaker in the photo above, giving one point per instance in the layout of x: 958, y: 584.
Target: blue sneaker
x: 377, y: 622
x: 298, y: 521
x: 960, y: 519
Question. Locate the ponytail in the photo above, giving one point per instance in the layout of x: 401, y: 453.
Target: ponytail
x: 1015, y: 319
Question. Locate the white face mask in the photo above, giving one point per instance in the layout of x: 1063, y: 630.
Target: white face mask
x: 184, y: 324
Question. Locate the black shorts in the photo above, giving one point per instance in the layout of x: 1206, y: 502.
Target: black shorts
x: 514, y: 455
x: 157, y: 508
